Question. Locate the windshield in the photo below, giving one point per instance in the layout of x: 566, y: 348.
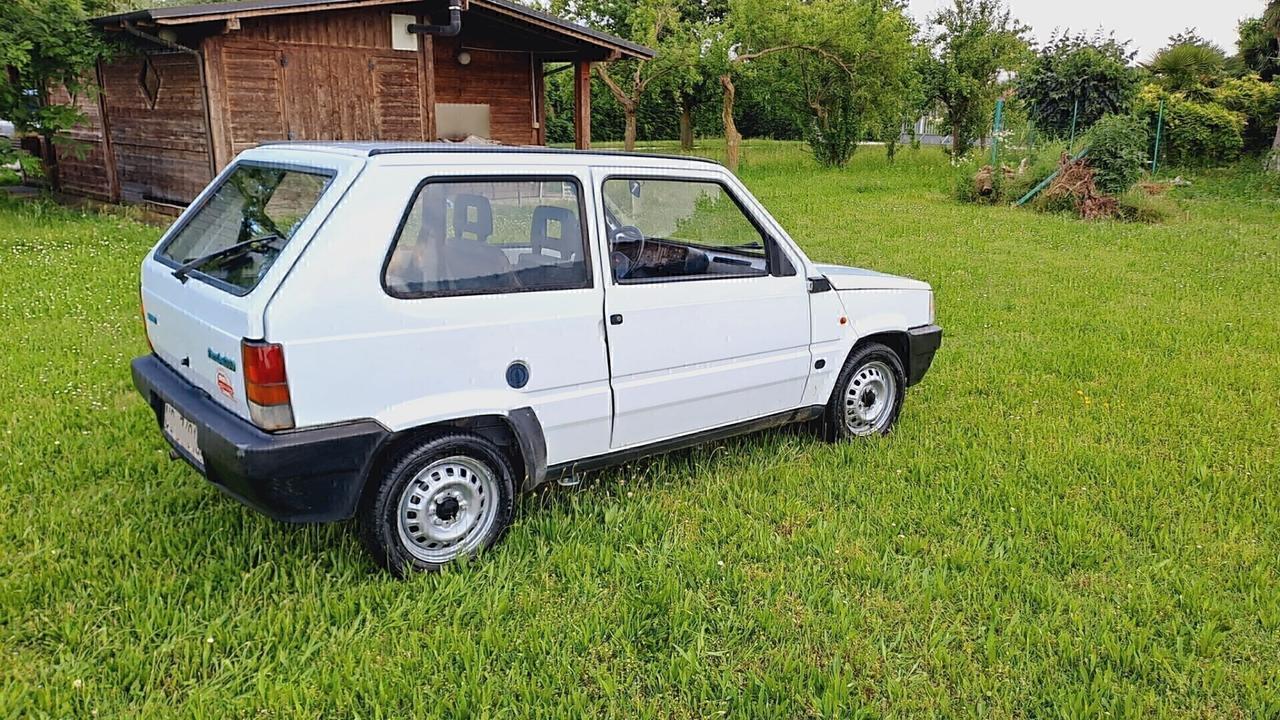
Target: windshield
x: 254, y: 203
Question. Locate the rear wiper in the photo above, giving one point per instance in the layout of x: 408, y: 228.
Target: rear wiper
x: 228, y: 251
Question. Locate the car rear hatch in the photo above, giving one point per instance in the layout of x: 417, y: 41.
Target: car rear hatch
x: 206, y: 285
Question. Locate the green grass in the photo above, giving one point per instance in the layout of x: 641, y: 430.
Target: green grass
x: 1078, y: 516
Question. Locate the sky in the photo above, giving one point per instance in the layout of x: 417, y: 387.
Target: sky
x: 1148, y: 23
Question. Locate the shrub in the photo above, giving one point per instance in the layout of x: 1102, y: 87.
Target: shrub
x: 833, y: 136
x: 1118, y: 149
x: 1093, y: 70
x: 1195, y: 133
x: 1258, y: 102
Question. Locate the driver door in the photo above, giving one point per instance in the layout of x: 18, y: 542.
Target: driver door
x: 706, y: 315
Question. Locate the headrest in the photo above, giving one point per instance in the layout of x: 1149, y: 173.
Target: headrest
x: 567, y: 238
x: 472, y: 214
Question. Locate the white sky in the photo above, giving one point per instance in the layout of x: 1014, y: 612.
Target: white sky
x: 1148, y: 23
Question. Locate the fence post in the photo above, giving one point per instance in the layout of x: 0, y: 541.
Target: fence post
x: 1155, y: 160
x: 997, y: 126
x: 1075, y: 113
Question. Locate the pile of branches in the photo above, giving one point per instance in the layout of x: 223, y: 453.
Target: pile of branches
x: 1075, y: 185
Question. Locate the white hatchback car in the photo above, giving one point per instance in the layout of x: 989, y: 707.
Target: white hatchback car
x: 410, y: 334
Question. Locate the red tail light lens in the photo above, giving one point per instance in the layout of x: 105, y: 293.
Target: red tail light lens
x: 265, y: 384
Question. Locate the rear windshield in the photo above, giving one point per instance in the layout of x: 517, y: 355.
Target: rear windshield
x: 241, y: 228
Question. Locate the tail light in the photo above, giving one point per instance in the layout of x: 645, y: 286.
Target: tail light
x: 265, y: 385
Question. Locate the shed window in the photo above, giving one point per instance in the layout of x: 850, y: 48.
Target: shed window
x: 149, y: 81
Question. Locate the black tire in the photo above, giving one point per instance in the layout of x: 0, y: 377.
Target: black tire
x: 380, y: 515
x: 865, y: 359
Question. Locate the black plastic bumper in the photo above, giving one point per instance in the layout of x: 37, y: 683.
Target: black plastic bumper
x: 922, y: 343
x: 299, y: 476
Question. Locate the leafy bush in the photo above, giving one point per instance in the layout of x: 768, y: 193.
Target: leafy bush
x: 1258, y: 102
x: 1093, y: 70
x: 1195, y: 133
x: 1118, y: 148
x: 833, y: 136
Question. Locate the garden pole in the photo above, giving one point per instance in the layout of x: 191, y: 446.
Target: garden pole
x: 1155, y: 160
x: 997, y: 126
x: 1075, y: 113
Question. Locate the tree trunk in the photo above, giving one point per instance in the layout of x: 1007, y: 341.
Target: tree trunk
x: 1273, y: 162
x: 686, y: 125
x: 732, y: 138
x: 629, y: 133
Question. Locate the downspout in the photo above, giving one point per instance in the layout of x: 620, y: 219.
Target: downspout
x: 452, y: 29
x: 204, y: 85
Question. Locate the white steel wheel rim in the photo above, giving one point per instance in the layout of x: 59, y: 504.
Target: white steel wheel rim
x: 447, y: 509
x: 869, y: 398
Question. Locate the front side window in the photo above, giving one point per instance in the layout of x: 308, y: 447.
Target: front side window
x: 663, y: 229
x: 239, y: 231
x: 490, y: 236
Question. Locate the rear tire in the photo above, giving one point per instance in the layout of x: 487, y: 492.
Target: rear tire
x: 444, y: 498
x: 868, y: 394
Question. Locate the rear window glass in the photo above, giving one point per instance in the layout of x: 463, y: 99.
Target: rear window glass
x: 239, y: 231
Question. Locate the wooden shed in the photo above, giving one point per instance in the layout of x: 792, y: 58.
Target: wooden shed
x: 200, y: 83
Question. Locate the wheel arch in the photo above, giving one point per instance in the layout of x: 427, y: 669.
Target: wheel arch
x: 517, y: 433
x: 895, y: 340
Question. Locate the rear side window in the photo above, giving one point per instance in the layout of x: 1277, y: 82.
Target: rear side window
x: 239, y: 231
x: 473, y: 237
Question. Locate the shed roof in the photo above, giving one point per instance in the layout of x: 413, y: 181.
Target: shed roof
x: 189, y: 14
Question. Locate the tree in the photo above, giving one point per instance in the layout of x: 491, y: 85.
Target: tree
x: 1271, y: 21
x: 654, y: 23
x: 1191, y: 68
x: 45, y: 44
x: 974, y: 41
x: 1259, y: 49
x: 1089, y: 72
x: 867, y: 89
x: 824, y: 50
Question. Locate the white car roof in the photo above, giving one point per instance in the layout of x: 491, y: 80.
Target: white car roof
x: 446, y: 152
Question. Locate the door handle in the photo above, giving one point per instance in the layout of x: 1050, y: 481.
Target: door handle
x: 615, y: 319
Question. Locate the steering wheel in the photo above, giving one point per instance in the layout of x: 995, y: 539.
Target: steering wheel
x: 624, y: 264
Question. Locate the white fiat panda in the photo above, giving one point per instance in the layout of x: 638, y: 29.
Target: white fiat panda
x: 410, y: 334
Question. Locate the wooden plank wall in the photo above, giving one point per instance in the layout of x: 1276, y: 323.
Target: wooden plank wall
x: 82, y: 167
x: 162, y: 153
x: 319, y: 76
x: 307, y: 76
x: 334, y: 76
x: 503, y: 79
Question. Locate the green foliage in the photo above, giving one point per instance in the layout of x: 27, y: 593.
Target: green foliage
x: 972, y: 41
x: 45, y: 44
x: 1093, y: 71
x: 833, y: 135
x: 1259, y: 49
x: 1195, y: 133
x: 1258, y: 102
x: 1118, y: 146
x: 1189, y: 67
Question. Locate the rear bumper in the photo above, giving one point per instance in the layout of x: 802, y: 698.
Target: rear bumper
x: 313, y: 475
x: 922, y: 343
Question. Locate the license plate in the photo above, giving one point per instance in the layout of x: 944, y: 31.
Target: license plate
x: 182, y: 432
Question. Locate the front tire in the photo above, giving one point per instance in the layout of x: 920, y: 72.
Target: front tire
x: 868, y: 394
x: 447, y: 497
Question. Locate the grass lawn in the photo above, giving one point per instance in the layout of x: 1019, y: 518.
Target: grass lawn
x: 1078, y: 515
